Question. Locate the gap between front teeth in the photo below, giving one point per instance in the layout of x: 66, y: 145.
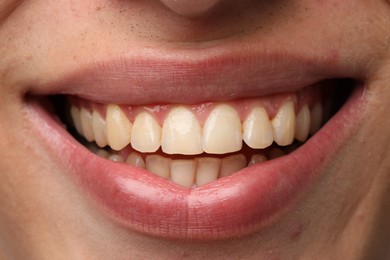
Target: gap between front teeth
x: 222, y: 132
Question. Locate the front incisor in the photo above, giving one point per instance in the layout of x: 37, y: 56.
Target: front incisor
x: 181, y: 133
x: 222, y: 131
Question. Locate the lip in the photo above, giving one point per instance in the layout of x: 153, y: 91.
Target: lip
x: 188, y: 76
x: 237, y: 205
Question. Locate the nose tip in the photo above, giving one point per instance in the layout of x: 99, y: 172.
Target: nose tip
x: 190, y: 8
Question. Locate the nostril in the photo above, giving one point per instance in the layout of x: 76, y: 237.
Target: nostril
x: 190, y: 8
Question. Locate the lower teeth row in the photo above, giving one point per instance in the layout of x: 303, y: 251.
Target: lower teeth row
x: 191, y: 172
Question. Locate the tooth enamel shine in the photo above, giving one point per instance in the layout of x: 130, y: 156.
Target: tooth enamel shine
x: 146, y: 134
x: 257, y: 129
x: 222, y: 131
x: 284, y: 124
x: 181, y: 133
x: 118, y: 128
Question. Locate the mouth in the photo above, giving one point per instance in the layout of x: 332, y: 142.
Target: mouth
x: 193, y: 145
x: 203, y: 166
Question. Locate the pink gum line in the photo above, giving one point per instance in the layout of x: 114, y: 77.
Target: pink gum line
x: 309, y: 96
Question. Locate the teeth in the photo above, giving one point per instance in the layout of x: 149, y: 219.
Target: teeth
x: 302, y: 128
x: 257, y: 129
x: 257, y: 158
x: 222, y: 131
x: 158, y: 165
x: 284, y: 124
x: 135, y: 159
x: 118, y: 128
x: 232, y: 164
x: 99, y: 129
x: 316, y: 118
x: 207, y: 170
x: 181, y: 133
x: 75, y: 113
x: 116, y: 158
x: 146, y: 134
x: 86, y: 124
x: 183, y: 172
x: 103, y: 153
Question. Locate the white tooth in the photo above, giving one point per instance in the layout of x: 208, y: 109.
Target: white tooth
x: 222, y: 131
x: 158, y: 165
x: 135, y: 159
x: 99, y: 129
x: 86, y: 124
x: 284, y: 124
x: 116, y: 158
x: 118, y: 128
x: 207, y: 170
x: 316, y: 118
x: 181, y: 133
x: 257, y: 129
x: 75, y: 113
x: 276, y: 153
x: 146, y: 134
x: 183, y: 172
x: 257, y: 158
x: 302, y: 127
x: 232, y: 164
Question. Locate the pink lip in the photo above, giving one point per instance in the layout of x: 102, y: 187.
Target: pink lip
x: 195, y: 76
x: 233, y: 206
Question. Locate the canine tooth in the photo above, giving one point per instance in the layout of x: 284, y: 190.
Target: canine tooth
x: 99, y: 129
x: 257, y: 158
x: 222, y: 131
x: 146, y: 133
x: 183, y: 172
x: 135, y: 159
x: 284, y: 124
x: 276, y: 153
x: 257, y: 129
x: 207, y: 170
x: 158, y: 165
x: 181, y: 133
x: 302, y: 128
x: 75, y: 113
x: 116, y: 158
x: 86, y: 124
x: 118, y: 128
x: 232, y: 164
x: 316, y: 118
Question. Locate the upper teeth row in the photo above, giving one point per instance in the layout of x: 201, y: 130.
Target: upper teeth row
x: 181, y: 132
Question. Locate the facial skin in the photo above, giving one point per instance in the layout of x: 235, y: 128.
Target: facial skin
x: 44, y: 215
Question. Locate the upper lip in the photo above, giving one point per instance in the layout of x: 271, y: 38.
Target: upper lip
x: 194, y: 76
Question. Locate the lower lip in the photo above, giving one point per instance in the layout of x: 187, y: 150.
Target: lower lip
x: 237, y: 205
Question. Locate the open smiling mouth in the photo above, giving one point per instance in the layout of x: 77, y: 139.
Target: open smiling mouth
x: 193, y: 145
x: 176, y: 151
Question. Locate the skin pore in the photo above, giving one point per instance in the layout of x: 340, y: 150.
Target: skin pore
x: 44, y: 215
